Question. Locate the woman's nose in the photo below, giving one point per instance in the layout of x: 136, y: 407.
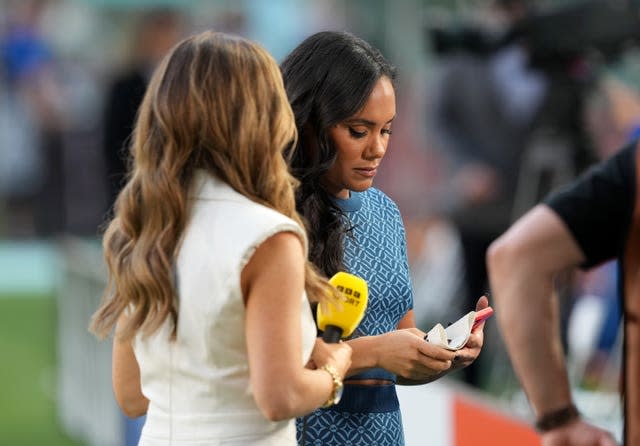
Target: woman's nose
x: 377, y: 148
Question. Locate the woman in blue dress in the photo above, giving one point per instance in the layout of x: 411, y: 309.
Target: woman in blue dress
x: 342, y: 93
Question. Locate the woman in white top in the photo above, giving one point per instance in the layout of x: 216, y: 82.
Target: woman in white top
x: 208, y: 277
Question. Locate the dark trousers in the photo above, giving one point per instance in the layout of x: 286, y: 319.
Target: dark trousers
x: 474, y: 248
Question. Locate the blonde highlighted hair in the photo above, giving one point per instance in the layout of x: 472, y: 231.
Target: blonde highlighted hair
x: 216, y: 102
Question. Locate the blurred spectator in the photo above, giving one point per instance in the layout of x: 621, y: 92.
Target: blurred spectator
x: 613, y: 115
x: 594, y: 328
x: 613, y: 119
x: 156, y: 32
x: 483, y: 109
x: 31, y: 153
x: 20, y: 162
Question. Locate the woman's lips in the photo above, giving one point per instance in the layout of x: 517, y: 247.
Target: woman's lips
x: 368, y: 172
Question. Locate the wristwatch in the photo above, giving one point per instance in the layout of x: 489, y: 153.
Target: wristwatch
x: 336, y: 394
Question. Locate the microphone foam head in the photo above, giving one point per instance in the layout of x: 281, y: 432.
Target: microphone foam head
x: 346, y: 314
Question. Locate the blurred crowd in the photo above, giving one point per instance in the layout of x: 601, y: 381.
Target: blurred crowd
x: 71, y: 76
x: 480, y: 136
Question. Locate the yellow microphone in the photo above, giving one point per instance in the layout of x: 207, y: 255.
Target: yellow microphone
x: 340, y: 319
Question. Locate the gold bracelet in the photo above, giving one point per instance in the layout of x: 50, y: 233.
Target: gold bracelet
x: 336, y: 393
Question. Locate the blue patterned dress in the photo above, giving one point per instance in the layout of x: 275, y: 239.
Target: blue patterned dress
x: 369, y: 415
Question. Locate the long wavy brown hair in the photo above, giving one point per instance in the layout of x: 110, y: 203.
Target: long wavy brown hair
x: 216, y: 102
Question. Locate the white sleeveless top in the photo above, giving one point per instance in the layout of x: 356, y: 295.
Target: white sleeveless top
x: 198, y: 386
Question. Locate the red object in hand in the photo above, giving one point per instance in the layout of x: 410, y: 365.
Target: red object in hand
x: 482, y: 315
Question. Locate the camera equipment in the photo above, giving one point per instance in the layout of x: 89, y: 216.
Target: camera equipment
x: 607, y: 27
x: 554, y: 36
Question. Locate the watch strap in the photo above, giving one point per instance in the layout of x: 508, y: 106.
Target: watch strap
x: 557, y: 418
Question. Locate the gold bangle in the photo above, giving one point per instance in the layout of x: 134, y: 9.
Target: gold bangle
x: 336, y: 393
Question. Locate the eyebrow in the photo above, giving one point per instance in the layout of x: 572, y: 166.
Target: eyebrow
x: 365, y: 121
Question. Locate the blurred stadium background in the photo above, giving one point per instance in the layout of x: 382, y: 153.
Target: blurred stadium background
x: 58, y: 63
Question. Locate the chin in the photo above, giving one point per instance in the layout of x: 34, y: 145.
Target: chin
x: 361, y: 187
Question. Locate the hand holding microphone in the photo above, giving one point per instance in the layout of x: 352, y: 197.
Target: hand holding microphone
x: 338, y: 320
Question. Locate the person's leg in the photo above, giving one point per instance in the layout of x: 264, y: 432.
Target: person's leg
x: 474, y: 249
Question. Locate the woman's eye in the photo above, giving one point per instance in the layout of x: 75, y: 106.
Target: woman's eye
x: 356, y: 134
x: 387, y: 132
